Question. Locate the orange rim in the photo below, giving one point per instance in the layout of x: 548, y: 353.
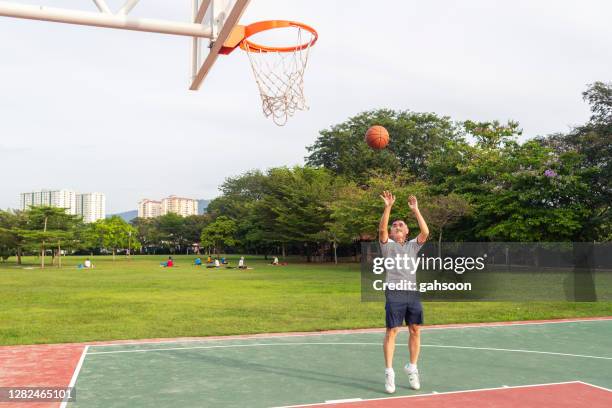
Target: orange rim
x: 260, y: 26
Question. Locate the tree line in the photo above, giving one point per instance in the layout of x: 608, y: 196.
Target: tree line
x: 475, y: 181
x: 51, y: 231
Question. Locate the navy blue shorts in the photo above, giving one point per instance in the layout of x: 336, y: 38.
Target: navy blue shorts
x: 403, y: 307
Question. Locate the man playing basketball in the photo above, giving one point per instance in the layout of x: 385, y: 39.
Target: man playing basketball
x: 401, y: 305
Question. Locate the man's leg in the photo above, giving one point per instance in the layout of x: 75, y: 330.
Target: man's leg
x: 394, y: 319
x: 414, y: 346
x: 389, y: 345
x: 414, y: 342
x: 389, y: 349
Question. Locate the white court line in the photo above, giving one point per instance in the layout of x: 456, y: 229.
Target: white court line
x: 340, y: 401
x: 357, y: 331
x: 484, y: 325
x: 341, y: 344
x: 596, y: 386
x: 516, y: 350
x: 232, y: 346
x: 444, y: 393
x: 77, y: 369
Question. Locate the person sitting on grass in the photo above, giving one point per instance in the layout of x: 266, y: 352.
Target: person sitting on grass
x: 209, y: 260
x: 197, y: 262
x: 224, y: 261
x: 168, y: 264
x: 241, y: 264
x: 87, y: 264
x: 217, y: 264
x: 275, y: 261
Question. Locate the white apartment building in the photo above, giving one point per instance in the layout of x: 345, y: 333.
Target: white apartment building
x: 172, y: 204
x: 54, y: 198
x: 179, y: 205
x: 149, y: 208
x: 92, y: 206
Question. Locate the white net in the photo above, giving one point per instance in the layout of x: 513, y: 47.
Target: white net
x: 280, y: 79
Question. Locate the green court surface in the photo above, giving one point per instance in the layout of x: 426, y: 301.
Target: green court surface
x: 315, y: 368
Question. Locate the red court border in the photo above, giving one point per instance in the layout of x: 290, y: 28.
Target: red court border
x: 558, y: 395
x: 55, y: 365
x: 48, y: 365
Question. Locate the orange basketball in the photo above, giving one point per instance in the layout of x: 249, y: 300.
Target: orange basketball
x: 377, y: 137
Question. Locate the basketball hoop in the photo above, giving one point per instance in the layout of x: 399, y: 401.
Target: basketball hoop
x: 279, y: 71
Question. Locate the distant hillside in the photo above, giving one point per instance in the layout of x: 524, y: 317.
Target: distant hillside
x: 127, y: 215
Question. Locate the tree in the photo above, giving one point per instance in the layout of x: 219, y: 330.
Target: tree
x: 441, y: 211
x: 193, y: 226
x: 114, y: 233
x: 171, y: 229
x: 357, y: 209
x: 46, y: 224
x: 147, y: 233
x: 285, y: 206
x: 532, y: 191
x: 294, y: 207
x: 240, y: 201
x: 492, y: 135
x: 470, y: 168
x: 7, y: 238
x: 554, y: 188
x: 59, y: 239
x: 89, y: 238
x: 594, y: 141
x: 534, y: 197
x: 415, y: 137
x: 12, y: 238
x: 591, y: 146
x: 599, y: 96
x: 219, y: 233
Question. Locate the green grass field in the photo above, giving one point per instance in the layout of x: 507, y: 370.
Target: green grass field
x: 136, y: 298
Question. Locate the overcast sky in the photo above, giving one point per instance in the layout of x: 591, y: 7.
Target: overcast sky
x: 94, y: 109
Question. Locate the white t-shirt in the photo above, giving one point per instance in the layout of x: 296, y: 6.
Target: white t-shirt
x: 87, y: 263
x: 241, y: 262
x: 217, y: 262
x: 408, y: 258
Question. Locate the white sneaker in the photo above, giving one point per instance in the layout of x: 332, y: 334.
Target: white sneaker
x: 390, y: 382
x: 413, y: 378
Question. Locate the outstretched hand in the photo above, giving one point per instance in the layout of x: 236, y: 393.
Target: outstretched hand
x: 413, y: 203
x: 388, y: 198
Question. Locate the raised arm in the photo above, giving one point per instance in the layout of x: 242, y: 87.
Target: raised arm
x: 383, y: 226
x: 414, y: 207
